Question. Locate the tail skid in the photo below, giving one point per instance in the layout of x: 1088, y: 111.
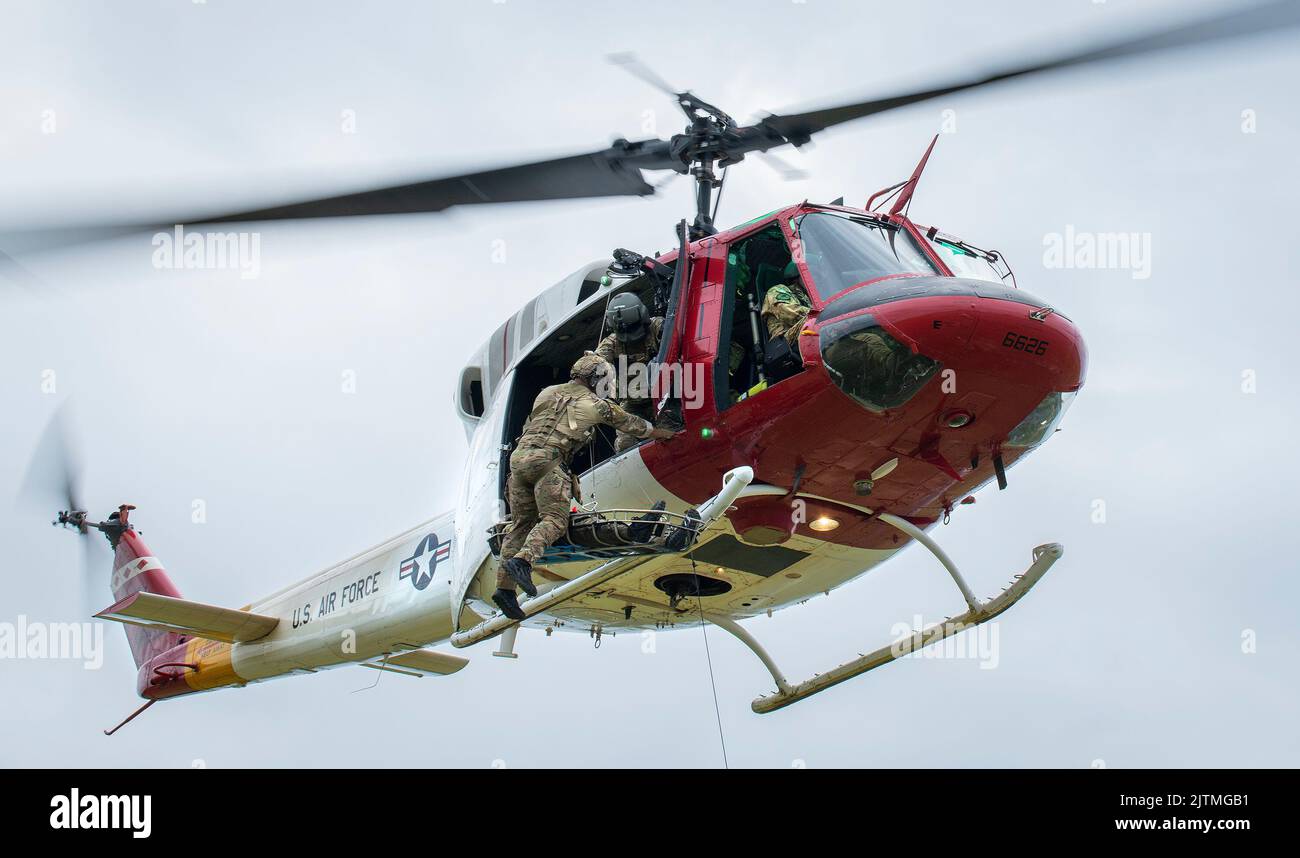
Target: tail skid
x: 130, y: 717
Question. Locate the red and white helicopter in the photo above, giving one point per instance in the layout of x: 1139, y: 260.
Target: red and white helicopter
x: 808, y: 467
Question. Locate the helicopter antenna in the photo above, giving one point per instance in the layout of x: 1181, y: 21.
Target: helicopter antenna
x: 905, y: 196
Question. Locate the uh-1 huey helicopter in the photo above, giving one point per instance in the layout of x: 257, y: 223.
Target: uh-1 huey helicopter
x: 921, y: 373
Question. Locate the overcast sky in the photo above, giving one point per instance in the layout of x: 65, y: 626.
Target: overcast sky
x: 1166, y: 636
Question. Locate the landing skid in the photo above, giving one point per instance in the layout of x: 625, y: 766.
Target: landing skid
x: 978, y: 612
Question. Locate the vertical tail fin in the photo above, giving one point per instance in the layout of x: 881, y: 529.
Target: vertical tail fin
x: 135, y: 569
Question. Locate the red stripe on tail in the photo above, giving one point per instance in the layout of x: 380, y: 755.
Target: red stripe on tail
x: 135, y: 569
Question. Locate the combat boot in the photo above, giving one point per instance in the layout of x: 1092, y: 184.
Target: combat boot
x: 521, y: 572
x: 681, y: 537
x: 643, y: 527
x: 509, y: 605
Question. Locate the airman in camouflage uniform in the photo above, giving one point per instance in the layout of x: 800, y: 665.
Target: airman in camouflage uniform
x: 540, y: 484
x: 635, y: 338
x: 785, y: 307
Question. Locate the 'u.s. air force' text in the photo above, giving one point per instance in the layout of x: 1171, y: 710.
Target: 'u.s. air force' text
x: 348, y: 594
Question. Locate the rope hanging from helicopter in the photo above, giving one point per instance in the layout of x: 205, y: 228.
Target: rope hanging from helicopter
x: 708, y: 657
x: 699, y: 603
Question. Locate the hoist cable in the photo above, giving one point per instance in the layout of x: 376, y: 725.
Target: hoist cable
x: 717, y: 712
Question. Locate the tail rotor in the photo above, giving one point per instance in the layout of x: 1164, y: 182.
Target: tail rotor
x: 54, y: 478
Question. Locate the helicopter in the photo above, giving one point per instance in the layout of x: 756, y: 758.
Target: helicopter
x: 921, y: 374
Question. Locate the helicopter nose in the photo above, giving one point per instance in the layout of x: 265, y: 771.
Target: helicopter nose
x: 884, y: 345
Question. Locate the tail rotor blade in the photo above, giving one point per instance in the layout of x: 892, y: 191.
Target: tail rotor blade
x: 54, y: 472
x: 54, y: 478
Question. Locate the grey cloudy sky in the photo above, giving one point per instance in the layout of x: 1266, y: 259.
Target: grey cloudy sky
x: 202, y: 385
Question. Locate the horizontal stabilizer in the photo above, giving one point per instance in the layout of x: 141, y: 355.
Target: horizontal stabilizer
x: 166, y: 613
x: 420, y: 662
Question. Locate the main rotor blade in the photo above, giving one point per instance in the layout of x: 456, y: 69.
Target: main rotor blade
x: 597, y: 174
x: 615, y: 171
x: 1262, y: 18
x: 633, y: 65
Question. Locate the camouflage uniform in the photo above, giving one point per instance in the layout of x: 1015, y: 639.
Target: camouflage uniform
x: 784, y: 309
x: 638, y: 352
x: 540, y: 484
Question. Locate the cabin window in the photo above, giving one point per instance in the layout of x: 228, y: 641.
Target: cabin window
x: 471, y: 392
x: 588, y: 288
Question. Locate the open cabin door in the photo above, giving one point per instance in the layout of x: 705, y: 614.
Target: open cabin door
x: 670, y: 367
x: 480, y: 505
x: 545, y: 362
x: 665, y: 287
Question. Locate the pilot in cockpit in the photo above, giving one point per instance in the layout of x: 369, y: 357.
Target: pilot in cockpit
x: 785, y: 306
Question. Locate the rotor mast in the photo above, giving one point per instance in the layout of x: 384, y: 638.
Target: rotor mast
x: 703, y: 146
x: 705, y: 182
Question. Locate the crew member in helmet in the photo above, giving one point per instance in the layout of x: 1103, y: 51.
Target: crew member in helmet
x: 540, y: 484
x: 632, y: 343
x: 785, y: 306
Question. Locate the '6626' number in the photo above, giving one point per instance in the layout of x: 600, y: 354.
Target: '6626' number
x: 1022, y: 343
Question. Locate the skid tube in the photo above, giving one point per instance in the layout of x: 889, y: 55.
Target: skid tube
x: 734, y: 482
x: 978, y: 612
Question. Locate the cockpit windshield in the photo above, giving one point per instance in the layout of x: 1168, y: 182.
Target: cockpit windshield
x: 966, y: 261
x: 844, y: 251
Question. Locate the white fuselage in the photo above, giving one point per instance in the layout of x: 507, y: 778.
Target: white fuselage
x: 370, y: 605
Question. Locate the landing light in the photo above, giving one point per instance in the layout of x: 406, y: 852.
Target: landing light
x: 823, y: 524
x: 958, y: 419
